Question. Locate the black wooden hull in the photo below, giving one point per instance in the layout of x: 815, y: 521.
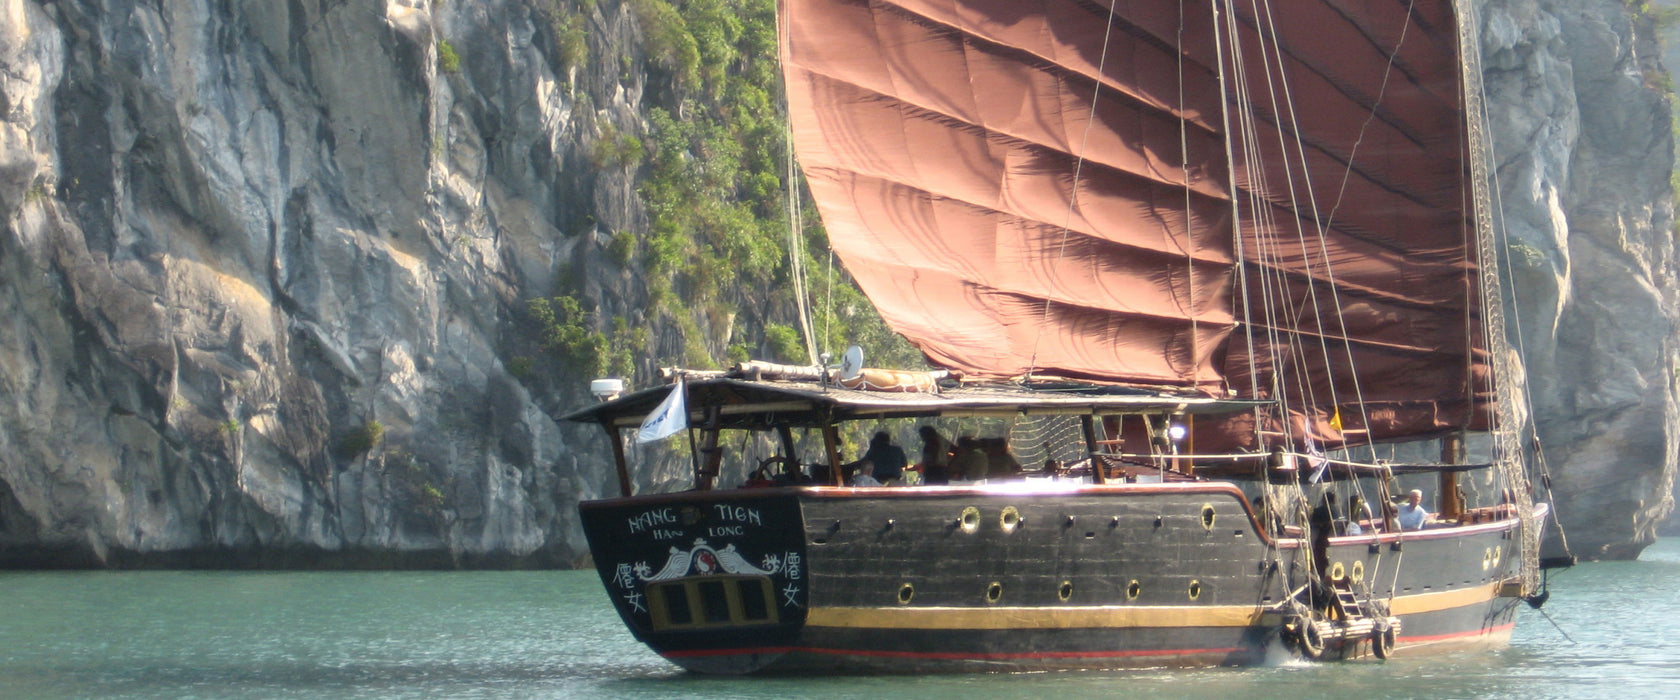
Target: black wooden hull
x: 923, y: 579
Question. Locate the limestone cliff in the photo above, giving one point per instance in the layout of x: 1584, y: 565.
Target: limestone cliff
x: 264, y: 266
x: 258, y: 264
x: 1667, y: 17
x: 1584, y: 149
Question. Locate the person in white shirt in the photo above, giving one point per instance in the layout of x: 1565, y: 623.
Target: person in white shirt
x: 1412, y: 514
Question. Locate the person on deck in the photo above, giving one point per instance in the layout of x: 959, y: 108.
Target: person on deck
x: 1322, y: 520
x: 969, y: 461
x: 1413, y: 515
x: 1000, y: 460
x: 886, y: 460
x: 853, y: 477
x: 1358, y: 515
x: 1322, y: 523
x: 936, y: 457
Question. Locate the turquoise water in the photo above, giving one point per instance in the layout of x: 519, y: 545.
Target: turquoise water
x: 552, y: 634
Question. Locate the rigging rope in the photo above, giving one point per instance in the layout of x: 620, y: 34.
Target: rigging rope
x: 1037, y: 440
x: 1282, y: 315
x: 1328, y: 222
x: 1073, y: 193
x: 1189, y: 247
x: 1508, y: 452
x: 796, y: 251
x: 796, y: 247
x: 1288, y: 319
x: 1524, y: 398
x: 828, y: 285
x: 1321, y: 228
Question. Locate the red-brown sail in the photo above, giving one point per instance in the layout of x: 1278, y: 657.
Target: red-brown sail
x: 1044, y: 187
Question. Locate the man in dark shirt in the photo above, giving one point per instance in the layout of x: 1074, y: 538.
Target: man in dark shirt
x: 936, y: 454
x: 886, y: 459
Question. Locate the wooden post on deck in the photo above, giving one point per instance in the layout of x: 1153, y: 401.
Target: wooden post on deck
x: 616, y: 438
x: 712, y: 454
x: 831, y: 444
x: 1385, y: 503
x: 1452, y: 452
x: 1189, y: 441
x: 1087, y: 423
x: 788, y: 448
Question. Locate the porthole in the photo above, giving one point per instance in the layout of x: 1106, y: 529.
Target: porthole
x: 1487, y: 558
x: 1337, y: 571
x: 970, y: 519
x: 1498, y: 554
x: 1195, y: 590
x: 1207, y: 516
x: 1133, y: 589
x: 994, y: 592
x: 1064, y: 591
x: 905, y: 593
x: 1359, y: 572
x: 1009, y: 519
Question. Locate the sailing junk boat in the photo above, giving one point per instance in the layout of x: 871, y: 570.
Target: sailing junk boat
x: 1199, y: 266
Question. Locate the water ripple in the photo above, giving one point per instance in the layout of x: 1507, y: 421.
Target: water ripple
x: 553, y: 634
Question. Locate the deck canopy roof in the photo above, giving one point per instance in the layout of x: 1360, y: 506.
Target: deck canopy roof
x: 762, y: 404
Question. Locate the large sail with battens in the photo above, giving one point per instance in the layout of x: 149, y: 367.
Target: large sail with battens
x: 1186, y: 195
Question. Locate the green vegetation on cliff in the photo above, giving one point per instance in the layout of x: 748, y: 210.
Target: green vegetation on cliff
x: 711, y: 171
x: 568, y: 334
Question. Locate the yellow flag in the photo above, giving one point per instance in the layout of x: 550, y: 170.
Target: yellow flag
x: 1336, y: 418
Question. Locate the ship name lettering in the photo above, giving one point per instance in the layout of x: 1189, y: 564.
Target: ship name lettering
x: 648, y: 519
x: 739, y: 514
x: 659, y: 534
x: 723, y: 531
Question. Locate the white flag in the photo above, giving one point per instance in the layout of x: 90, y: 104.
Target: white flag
x: 670, y: 418
x: 1316, y: 460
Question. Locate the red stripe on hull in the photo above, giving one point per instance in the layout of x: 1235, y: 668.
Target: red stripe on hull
x: 1501, y: 630
x: 700, y: 653
x: 953, y: 656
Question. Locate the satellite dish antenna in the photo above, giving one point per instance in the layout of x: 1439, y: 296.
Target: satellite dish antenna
x: 851, y: 363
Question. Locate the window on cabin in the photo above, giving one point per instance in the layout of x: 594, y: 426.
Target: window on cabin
x: 712, y: 601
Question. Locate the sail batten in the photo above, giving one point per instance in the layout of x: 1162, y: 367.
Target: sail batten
x: 1077, y: 235
x: 1064, y: 38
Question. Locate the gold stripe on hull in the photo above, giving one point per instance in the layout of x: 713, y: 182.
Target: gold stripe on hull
x: 1443, y: 600
x: 1119, y: 616
x: 1006, y: 618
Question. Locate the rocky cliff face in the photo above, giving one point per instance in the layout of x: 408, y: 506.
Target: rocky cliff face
x: 259, y: 263
x: 1584, y: 149
x: 259, y: 259
x: 1669, y: 32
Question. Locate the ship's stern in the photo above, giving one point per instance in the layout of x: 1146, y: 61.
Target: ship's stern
x: 713, y: 581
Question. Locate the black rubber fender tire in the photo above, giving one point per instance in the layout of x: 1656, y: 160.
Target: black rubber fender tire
x: 1309, y: 641
x: 1382, y: 641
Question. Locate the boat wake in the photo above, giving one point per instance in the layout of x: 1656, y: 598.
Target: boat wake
x: 1279, y: 655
